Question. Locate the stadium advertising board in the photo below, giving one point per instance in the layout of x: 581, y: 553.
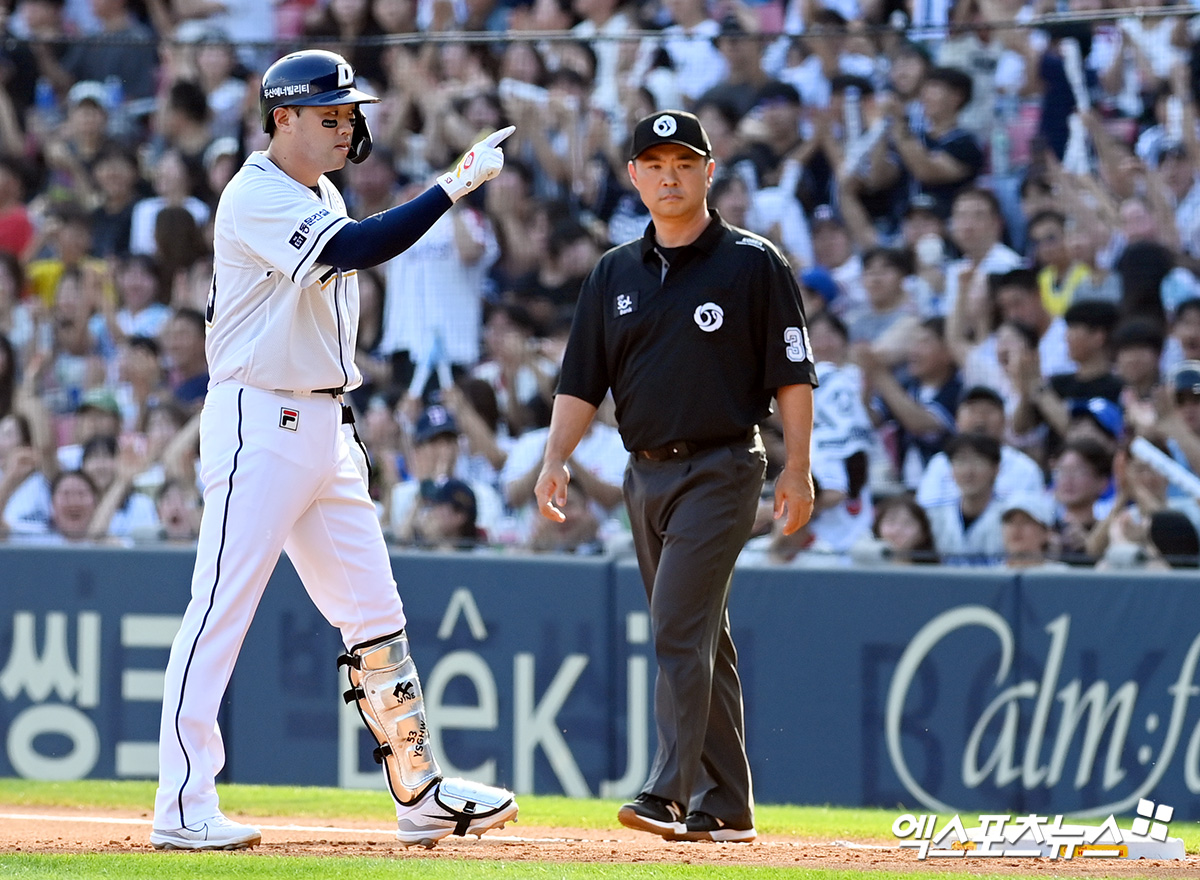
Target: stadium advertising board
x: 943, y: 691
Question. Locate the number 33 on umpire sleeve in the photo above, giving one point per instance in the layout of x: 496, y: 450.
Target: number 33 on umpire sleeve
x: 798, y: 346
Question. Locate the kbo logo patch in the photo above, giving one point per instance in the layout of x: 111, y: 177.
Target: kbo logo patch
x: 709, y: 316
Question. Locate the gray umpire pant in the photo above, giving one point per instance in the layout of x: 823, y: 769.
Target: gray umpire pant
x: 690, y: 518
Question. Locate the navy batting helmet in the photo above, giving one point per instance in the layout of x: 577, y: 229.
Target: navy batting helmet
x: 314, y: 78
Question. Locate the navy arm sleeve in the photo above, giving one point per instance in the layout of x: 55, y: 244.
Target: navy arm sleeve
x: 378, y: 238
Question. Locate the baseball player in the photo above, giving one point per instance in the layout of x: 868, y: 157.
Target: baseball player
x: 694, y: 328
x: 281, y: 465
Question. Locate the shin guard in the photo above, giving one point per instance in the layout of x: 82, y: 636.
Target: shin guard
x: 384, y: 683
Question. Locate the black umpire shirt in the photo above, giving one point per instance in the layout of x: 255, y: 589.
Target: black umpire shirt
x: 693, y: 342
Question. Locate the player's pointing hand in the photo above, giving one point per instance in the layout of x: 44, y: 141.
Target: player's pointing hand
x: 496, y: 138
x: 478, y: 165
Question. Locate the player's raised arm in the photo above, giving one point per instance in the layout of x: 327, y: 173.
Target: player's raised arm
x: 380, y: 237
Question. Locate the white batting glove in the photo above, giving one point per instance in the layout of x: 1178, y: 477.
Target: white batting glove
x: 478, y: 165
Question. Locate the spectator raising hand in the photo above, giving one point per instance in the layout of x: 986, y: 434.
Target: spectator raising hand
x: 24, y: 488
x: 920, y: 191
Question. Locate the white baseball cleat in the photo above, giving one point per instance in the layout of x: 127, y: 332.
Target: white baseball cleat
x: 454, y: 806
x: 215, y: 833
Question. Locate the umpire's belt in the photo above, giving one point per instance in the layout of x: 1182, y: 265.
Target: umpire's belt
x: 688, y: 448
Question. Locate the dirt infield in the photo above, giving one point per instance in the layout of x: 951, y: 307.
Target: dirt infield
x: 59, y: 830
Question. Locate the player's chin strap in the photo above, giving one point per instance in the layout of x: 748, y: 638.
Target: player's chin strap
x: 384, y: 683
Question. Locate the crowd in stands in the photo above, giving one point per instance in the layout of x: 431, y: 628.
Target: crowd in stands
x: 993, y: 216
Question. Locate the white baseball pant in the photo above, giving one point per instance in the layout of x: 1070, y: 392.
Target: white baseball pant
x: 277, y: 475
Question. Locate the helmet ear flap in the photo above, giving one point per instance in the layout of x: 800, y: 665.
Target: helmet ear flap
x: 360, y: 138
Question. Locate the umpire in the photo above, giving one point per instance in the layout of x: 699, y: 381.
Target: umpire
x: 694, y: 328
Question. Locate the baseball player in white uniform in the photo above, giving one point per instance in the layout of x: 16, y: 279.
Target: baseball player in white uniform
x: 281, y: 466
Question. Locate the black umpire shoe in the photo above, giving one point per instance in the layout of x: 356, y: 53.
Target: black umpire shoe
x: 649, y: 812
x: 702, y: 826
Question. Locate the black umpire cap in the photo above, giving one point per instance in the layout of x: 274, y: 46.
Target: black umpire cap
x: 670, y: 127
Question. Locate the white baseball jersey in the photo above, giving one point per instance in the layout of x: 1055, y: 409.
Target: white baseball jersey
x: 278, y: 319
x: 838, y: 528
x: 841, y: 425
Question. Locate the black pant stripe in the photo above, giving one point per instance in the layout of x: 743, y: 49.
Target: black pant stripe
x: 212, y: 596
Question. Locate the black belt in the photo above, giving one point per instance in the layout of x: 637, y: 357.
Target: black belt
x: 688, y: 448
x: 334, y: 392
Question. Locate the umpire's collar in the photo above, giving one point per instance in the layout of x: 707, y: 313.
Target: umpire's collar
x: 706, y: 242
